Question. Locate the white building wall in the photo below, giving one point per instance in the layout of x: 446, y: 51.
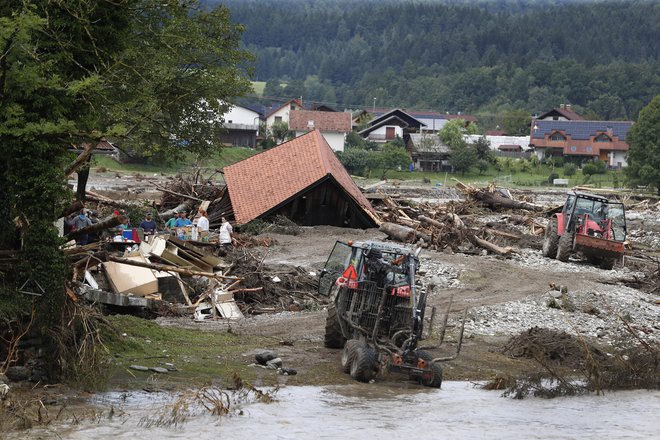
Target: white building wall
x: 241, y: 115
x: 378, y: 135
x: 336, y: 140
x: 283, y: 113
x: 618, y: 158
x: 496, y: 141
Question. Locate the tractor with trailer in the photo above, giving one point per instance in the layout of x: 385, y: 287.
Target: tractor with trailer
x: 590, y: 225
x: 376, y: 312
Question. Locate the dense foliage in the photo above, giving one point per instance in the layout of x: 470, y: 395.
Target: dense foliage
x: 644, y: 154
x: 484, y: 57
x: 144, y: 72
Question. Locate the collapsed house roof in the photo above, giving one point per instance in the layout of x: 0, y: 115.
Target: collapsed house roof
x: 301, y: 179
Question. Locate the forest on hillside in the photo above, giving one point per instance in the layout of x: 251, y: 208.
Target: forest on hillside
x: 481, y: 57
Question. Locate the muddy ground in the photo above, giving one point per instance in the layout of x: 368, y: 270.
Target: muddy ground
x: 503, y: 296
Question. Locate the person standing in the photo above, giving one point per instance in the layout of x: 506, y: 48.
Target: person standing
x: 80, y: 222
x: 148, y: 225
x: 203, y: 224
x: 182, y: 221
x: 225, y: 233
x: 170, y: 223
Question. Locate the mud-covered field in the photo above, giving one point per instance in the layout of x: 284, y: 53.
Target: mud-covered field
x: 504, y: 296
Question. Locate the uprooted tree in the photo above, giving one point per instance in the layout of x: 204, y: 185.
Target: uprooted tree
x: 146, y: 73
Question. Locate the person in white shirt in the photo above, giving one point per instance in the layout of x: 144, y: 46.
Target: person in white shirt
x: 225, y: 233
x: 203, y: 221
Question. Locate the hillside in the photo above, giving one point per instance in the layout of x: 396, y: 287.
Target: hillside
x: 488, y: 57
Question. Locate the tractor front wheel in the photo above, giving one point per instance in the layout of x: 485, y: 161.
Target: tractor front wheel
x: 348, y: 354
x: 363, y: 367
x: 565, y: 246
x: 432, y: 378
x: 551, y: 239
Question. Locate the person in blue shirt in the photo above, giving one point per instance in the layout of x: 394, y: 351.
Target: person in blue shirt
x: 148, y: 225
x: 182, y: 221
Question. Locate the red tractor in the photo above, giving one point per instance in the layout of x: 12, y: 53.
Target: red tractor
x: 376, y: 312
x: 590, y: 225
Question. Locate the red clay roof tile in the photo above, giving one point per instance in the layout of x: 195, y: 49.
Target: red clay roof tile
x: 324, y: 121
x: 261, y: 182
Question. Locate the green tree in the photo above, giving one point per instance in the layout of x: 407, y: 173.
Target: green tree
x: 354, y: 140
x: 454, y: 131
x: 569, y: 169
x: 355, y: 160
x: 146, y: 73
x: 516, y: 122
x: 280, y: 132
x: 595, y: 167
x: 483, y: 151
x: 644, y: 153
x: 462, y: 156
x: 393, y: 156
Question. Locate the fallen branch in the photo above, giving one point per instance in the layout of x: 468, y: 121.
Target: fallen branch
x: 168, y: 268
x: 80, y: 160
x: 107, y: 223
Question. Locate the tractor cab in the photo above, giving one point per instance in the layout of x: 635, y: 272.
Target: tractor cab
x: 382, y: 263
x: 590, y: 225
x: 594, y: 216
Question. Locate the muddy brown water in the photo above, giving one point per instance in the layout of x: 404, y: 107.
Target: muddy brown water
x: 459, y: 410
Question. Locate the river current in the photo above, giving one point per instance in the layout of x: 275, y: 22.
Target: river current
x: 458, y: 411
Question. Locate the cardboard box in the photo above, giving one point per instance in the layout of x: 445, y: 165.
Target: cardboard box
x: 124, y: 278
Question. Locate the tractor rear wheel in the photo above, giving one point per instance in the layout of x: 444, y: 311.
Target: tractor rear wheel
x: 551, y: 239
x: 334, y: 338
x: 348, y: 354
x: 363, y: 367
x: 565, y: 246
x: 432, y: 378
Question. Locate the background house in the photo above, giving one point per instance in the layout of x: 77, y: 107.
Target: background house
x: 562, y: 113
x: 242, y: 127
x: 390, y: 125
x: 334, y: 126
x: 582, y: 140
x: 428, y: 153
x: 282, y: 112
x: 509, y: 146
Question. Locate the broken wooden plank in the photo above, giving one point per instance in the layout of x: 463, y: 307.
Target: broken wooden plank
x: 168, y: 268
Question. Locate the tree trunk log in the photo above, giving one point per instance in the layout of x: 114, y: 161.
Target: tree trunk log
x: 170, y: 212
x: 174, y: 193
x: 431, y: 221
x: 80, y: 160
x: 107, y: 223
x: 496, y: 202
x: 83, y: 175
x: 75, y: 207
x: 398, y: 232
x: 490, y: 246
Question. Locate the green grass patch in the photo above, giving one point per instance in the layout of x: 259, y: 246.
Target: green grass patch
x: 201, y: 357
x: 219, y: 159
x: 259, y: 87
x: 512, y: 178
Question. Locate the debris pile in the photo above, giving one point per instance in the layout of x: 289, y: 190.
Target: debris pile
x: 187, y: 190
x: 453, y: 224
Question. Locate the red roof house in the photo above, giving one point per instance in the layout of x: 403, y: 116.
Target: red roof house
x: 301, y: 179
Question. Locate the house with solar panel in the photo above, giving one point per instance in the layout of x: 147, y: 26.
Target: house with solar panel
x: 553, y: 134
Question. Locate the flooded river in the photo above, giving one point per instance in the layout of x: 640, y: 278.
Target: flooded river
x: 457, y: 411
